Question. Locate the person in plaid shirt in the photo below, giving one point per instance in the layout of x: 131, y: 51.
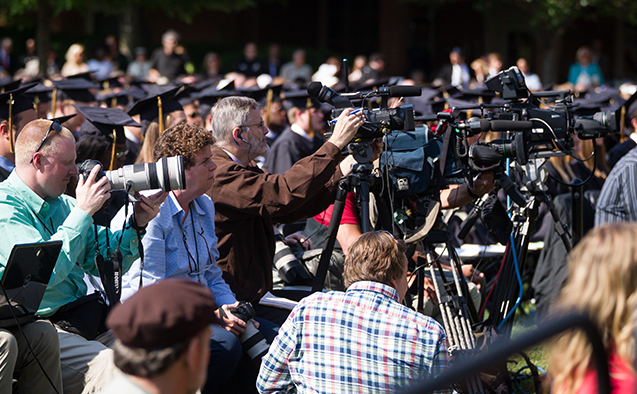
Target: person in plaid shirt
x: 359, y: 341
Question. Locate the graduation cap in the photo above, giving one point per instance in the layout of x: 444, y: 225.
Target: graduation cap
x: 76, y: 89
x: 185, y: 96
x: 38, y: 94
x: 210, y: 95
x: 299, y: 99
x: 155, y: 106
x: 626, y: 112
x: 422, y: 104
x: 8, y: 83
x: 264, y: 96
x: 86, y: 75
x: 475, y: 95
x: 206, y: 83
x: 63, y: 119
x: 109, y: 83
x: 106, y: 124
x: 374, y: 85
x: 12, y: 103
x: 153, y: 89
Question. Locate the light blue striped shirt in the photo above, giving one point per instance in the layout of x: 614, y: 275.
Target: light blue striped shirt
x: 167, y: 256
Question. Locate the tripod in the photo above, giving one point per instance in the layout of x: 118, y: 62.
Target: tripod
x: 358, y: 181
x: 507, y: 291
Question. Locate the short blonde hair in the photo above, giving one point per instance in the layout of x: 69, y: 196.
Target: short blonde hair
x: 374, y: 256
x: 31, y: 136
x: 602, y: 283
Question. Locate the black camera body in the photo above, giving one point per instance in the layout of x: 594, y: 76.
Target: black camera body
x: 252, y: 341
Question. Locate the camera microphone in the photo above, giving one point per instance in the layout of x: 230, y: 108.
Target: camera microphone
x: 325, y: 94
x: 405, y: 91
x: 481, y: 125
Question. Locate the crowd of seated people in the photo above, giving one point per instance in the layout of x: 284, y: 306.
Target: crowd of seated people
x: 219, y: 231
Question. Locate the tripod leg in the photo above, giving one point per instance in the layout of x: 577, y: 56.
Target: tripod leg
x: 332, y: 230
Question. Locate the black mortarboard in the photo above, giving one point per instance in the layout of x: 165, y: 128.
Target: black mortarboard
x: 41, y: 91
x: 374, y: 85
x: 423, y: 103
x: 136, y: 93
x: 77, y: 89
x: 210, y: 95
x: 607, y: 98
x: 38, y: 94
x: 86, y: 75
x: 12, y: 103
x: 449, y: 91
x: 625, y: 110
x: 300, y: 99
x: 121, y: 98
x: 206, y: 83
x: 153, y: 89
x: 109, y: 83
x: 585, y: 107
x: 8, y: 83
x: 185, y: 96
x: 475, y: 95
x: 154, y: 107
x: 267, y: 95
x: 63, y: 119
x: 105, y: 123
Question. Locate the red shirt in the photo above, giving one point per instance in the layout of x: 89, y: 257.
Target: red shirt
x: 622, y: 379
x: 350, y: 213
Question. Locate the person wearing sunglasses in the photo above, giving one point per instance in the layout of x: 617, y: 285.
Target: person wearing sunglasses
x: 33, y: 208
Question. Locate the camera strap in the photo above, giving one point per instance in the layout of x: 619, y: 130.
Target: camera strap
x: 443, y: 155
x: 110, y: 269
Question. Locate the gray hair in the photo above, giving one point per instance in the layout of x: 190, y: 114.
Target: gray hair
x: 229, y: 113
x: 170, y: 34
x: 146, y: 363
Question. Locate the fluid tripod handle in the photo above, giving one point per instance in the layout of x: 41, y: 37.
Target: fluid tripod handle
x: 472, y: 217
x: 510, y: 188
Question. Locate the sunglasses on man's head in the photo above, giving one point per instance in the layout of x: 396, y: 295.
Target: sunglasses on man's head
x: 55, y: 126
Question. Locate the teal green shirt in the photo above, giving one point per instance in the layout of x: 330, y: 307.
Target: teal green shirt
x: 26, y: 218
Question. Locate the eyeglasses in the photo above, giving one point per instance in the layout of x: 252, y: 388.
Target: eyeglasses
x: 55, y: 126
x: 260, y: 125
x: 194, y: 115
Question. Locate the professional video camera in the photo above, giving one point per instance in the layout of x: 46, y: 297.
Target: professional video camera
x: 379, y: 121
x: 538, y: 132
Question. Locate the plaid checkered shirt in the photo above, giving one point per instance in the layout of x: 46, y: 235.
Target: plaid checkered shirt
x: 359, y: 341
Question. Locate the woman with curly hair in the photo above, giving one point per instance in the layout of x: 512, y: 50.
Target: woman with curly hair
x: 602, y: 283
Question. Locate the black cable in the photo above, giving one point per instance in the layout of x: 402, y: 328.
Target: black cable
x: 590, y: 176
x: 4, y: 291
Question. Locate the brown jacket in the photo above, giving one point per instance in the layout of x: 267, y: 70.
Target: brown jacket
x: 248, y: 202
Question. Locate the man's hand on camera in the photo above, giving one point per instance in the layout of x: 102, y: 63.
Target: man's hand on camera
x: 230, y: 322
x: 91, y: 194
x: 484, y: 184
x: 298, y: 238
x: 148, y: 207
x: 346, y: 127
